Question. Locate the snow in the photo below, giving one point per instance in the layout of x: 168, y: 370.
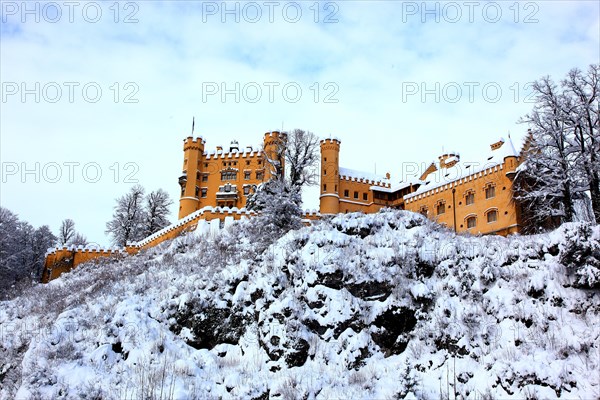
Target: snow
x: 463, y: 170
x: 497, y: 317
x: 358, y: 175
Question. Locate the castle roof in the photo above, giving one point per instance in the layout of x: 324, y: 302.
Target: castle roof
x: 354, y: 174
x: 465, y: 169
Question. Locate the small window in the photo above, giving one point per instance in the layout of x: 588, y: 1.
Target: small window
x: 471, y: 222
x: 198, y: 175
x: 197, y: 191
x: 247, y: 175
x: 259, y: 175
x: 490, y: 192
x: 336, y: 188
x: 346, y: 193
x: 423, y: 211
x: 324, y: 172
x: 441, y: 208
x: 492, y: 216
x: 204, y: 191
x: 470, y: 198
x: 324, y: 159
x: 205, y: 165
x: 204, y: 177
x: 246, y: 190
x: 324, y: 187
x: 356, y: 195
x: 247, y: 162
x: 365, y: 197
x: 228, y: 175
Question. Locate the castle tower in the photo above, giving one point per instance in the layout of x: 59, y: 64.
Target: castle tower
x: 189, y: 179
x: 274, y: 145
x: 330, y: 176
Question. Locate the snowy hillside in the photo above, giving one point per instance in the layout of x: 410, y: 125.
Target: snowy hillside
x: 380, y: 306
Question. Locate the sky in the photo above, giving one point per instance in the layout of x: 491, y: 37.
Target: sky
x: 98, y: 96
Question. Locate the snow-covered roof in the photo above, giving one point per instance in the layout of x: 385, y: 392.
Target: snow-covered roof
x: 465, y: 169
x: 354, y: 174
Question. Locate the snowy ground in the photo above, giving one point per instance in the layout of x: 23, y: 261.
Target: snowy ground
x: 380, y: 306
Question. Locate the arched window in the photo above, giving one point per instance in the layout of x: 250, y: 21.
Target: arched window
x: 471, y: 222
x: 441, y: 208
x: 469, y: 197
x: 490, y: 191
x: 424, y: 211
x: 492, y: 216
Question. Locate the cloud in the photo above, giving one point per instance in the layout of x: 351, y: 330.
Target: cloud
x: 365, y: 62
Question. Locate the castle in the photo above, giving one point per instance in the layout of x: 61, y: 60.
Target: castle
x: 473, y: 197
x: 225, y: 178
x: 214, y: 187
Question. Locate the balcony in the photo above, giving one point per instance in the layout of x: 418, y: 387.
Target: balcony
x: 183, y: 180
x: 227, y: 192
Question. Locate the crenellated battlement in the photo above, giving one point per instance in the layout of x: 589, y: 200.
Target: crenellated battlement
x: 63, y: 259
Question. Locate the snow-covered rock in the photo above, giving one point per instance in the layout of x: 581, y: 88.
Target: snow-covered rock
x: 385, y: 305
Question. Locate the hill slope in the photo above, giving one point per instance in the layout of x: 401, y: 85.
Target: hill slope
x: 382, y: 306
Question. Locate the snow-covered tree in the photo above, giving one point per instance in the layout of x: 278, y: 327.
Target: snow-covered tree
x: 78, y: 240
x: 279, y: 206
x: 300, y: 151
x: 302, y: 158
x: 561, y: 167
x: 127, y: 223
x: 66, y: 232
x: 22, y: 249
x: 156, y: 211
x: 583, y: 91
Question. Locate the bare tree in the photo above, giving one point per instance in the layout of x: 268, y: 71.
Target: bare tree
x: 561, y: 167
x: 302, y: 158
x: 22, y: 249
x: 583, y: 91
x: 66, y: 232
x: 126, y: 224
x: 156, y: 211
x: 78, y: 240
x: 299, y: 150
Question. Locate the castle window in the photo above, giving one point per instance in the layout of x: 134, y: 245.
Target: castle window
x: 324, y: 172
x: 336, y: 188
x: 470, y: 198
x: 346, y: 193
x: 247, y: 162
x: 356, y: 195
x: 492, y: 216
x: 205, y: 165
x: 196, y: 191
x: 228, y: 175
x: 247, y: 175
x: 246, y: 190
x: 490, y: 191
x: 365, y: 196
x: 441, y: 208
x: 204, y: 177
x: 182, y: 190
x: 471, y: 222
x: 259, y: 175
x: 204, y: 191
x: 324, y: 159
x: 424, y: 211
x: 324, y: 187
x: 198, y: 175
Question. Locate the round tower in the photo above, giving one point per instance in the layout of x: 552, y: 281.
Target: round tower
x: 189, y: 181
x: 330, y: 176
x: 274, y: 146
